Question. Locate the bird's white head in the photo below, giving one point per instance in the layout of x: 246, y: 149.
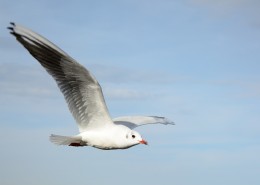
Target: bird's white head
x: 135, y: 138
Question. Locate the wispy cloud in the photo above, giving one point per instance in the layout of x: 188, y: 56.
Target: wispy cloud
x: 246, y: 10
x: 7, y: 45
x: 118, y: 74
x: 24, y: 80
x: 222, y: 5
x: 243, y: 88
x: 126, y: 94
x: 117, y: 83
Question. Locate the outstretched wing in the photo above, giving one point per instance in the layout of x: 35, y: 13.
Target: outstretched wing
x: 135, y: 121
x: 80, y: 89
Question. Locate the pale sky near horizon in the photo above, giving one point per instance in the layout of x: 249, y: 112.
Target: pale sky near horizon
x: 194, y: 61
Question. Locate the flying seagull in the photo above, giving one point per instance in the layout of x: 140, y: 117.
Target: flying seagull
x: 84, y: 97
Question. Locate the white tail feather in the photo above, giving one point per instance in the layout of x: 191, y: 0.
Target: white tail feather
x: 64, y: 140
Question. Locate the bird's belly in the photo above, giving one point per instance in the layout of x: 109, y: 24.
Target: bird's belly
x: 99, y: 141
x: 111, y: 147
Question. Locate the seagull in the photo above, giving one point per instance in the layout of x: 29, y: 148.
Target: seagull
x: 84, y: 97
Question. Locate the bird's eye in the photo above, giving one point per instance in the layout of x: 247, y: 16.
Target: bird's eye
x: 133, y: 136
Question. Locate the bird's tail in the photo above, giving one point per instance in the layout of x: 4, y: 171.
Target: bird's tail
x: 67, y: 140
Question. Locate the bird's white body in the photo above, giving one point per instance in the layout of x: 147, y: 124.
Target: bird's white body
x: 84, y: 97
x: 101, y: 138
x: 106, y: 138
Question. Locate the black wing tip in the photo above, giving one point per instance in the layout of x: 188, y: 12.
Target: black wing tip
x: 166, y: 120
x: 11, y: 28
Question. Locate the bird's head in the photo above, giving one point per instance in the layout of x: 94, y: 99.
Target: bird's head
x: 135, y: 138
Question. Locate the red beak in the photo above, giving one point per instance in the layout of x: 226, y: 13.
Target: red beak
x: 143, y: 142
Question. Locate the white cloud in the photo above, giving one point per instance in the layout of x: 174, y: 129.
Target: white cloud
x: 247, y: 10
x: 24, y: 80
x: 125, y: 93
x: 226, y: 4
x: 241, y: 88
x: 7, y: 45
x: 117, y: 74
x: 33, y: 80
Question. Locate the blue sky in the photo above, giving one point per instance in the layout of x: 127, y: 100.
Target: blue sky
x: 193, y: 61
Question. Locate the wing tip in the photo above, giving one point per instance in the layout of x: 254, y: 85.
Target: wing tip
x: 164, y: 120
x: 168, y: 122
x: 11, y: 28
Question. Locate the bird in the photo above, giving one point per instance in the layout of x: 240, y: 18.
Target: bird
x: 84, y: 97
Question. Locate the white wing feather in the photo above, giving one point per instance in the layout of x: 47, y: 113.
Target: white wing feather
x: 80, y: 89
x: 135, y: 121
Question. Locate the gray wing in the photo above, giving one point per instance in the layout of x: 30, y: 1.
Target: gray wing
x: 80, y: 89
x: 135, y: 121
